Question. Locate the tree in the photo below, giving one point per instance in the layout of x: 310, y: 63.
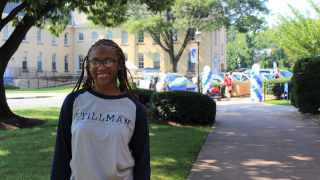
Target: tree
x: 53, y: 13
x: 187, y: 16
x: 250, y: 47
x: 304, y: 27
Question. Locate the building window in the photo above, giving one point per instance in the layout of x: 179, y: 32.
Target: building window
x: 66, y: 63
x: 39, y: 62
x: 174, y: 35
x: 157, y: 36
x: 110, y: 35
x: 80, y: 61
x: 54, y: 62
x: 156, y: 63
x: 124, y: 37
x: 66, y: 39
x: 141, y: 60
x: 25, y: 62
x: 140, y: 37
x: 80, y: 37
x: 222, y: 49
x: 191, y: 66
x: 54, y: 39
x: 39, y: 35
x: 215, y: 60
x: 215, y: 38
x: 5, y: 34
x: 94, y: 36
x: 126, y: 57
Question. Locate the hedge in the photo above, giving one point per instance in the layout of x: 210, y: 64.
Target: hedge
x: 144, y: 95
x: 9, y: 86
x: 183, y: 107
x: 305, y: 85
x: 275, y: 86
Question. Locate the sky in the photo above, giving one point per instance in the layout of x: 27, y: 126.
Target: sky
x: 280, y: 6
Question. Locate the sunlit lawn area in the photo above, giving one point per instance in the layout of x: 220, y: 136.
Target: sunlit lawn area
x: 27, y: 153
x: 59, y: 89
x: 279, y: 102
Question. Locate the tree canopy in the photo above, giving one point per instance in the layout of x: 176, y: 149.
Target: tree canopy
x: 187, y: 16
x: 300, y: 34
x: 254, y: 47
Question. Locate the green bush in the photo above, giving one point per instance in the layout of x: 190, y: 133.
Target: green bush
x: 144, y: 95
x: 275, y: 86
x: 9, y: 86
x: 305, y: 85
x: 183, y: 107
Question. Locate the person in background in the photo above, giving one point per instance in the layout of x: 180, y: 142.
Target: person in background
x: 102, y: 130
x: 228, y: 82
x: 277, y: 74
x: 230, y: 76
x: 164, y: 81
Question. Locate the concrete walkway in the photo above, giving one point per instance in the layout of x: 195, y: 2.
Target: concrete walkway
x: 257, y: 141
x: 32, y: 100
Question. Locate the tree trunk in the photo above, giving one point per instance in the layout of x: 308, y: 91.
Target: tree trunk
x: 174, y: 65
x: 7, y: 117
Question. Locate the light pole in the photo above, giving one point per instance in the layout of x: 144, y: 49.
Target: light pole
x: 197, y: 37
x: 238, y: 63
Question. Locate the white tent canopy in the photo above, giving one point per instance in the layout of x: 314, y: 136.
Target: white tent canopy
x: 131, y: 66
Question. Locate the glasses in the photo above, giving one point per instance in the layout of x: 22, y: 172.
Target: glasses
x: 104, y: 63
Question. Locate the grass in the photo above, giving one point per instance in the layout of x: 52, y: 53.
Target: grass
x: 279, y: 102
x: 59, y: 89
x: 27, y: 153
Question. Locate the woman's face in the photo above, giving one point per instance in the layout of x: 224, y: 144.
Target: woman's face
x: 104, y: 66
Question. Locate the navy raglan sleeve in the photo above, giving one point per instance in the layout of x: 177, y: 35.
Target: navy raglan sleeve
x: 60, y: 167
x: 139, y: 145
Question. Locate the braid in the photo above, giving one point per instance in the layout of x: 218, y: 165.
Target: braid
x: 122, y: 73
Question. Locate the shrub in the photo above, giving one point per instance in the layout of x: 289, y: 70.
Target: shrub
x: 275, y: 86
x: 144, y: 95
x: 9, y: 86
x: 305, y: 85
x: 183, y: 107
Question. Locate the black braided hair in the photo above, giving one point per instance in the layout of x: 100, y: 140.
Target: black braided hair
x: 122, y: 73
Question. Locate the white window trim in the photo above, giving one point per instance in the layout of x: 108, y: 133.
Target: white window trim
x: 139, y: 58
x: 158, y: 58
x: 54, y: 60
x: 125, y: 36
x: 53, y: 40
x: 39, y: 36
x: 66, y: 61
x: 66, y: 39
x: 39, y: 60
x: 80, y: 64
x: 25, y: 59
x: 141, y: 36
x: 80, y: 40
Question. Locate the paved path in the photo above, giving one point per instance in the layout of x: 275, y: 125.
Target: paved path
x: 31, y: 100
x: 257, y: 141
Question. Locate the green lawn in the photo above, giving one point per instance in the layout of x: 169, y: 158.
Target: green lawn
x: 27, y: 153
x: 59, y: 89
x: 279, y: 102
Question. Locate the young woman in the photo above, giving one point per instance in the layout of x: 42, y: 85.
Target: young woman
x: 102, y: 131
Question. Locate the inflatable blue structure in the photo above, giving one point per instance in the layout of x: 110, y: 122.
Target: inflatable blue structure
x: 255, y: 84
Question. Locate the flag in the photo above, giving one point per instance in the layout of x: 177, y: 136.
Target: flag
x: 194, y: 58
